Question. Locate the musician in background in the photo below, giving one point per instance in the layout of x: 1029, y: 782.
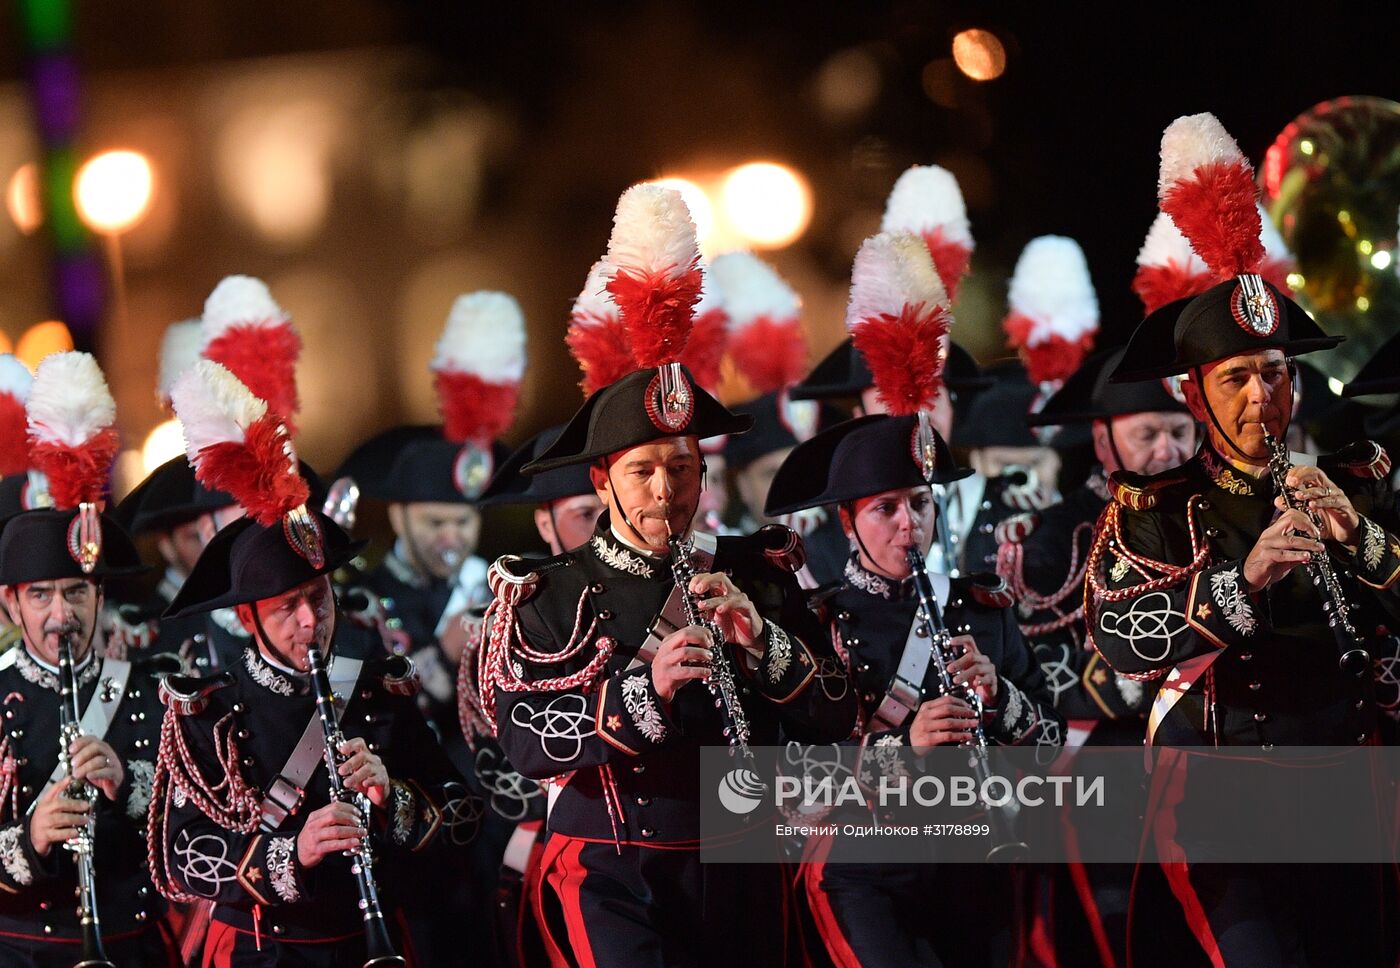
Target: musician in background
x: 1199, y: 582
x: 53, y: 587
x: 581, y: 690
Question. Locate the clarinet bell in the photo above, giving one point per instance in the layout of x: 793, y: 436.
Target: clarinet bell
x: 1355, y: 662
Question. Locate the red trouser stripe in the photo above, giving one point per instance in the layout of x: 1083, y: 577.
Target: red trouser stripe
x: 827, y: 925
x: 564, y: 873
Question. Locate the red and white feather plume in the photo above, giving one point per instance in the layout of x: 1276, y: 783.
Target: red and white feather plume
x: 72, y: 433
x: 709, y: 335
x: 478, y: 365
x: 236, y: 443
x: 898, y: 318
x: 927, y: 202
x: 1168, y: 268
x: 180, y: 346
x: 766, y: 342
x: 15, y: 382
x: 1207, y: 187
x: 655, y: 281
x: 596, y: 337
x: 1278, y: 260
x: 249, y: 334
x: 1053, y: 312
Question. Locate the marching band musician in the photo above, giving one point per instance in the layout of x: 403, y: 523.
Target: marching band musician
x: 870, y: 471
x: 1198, y: 581
x: 593, y: 675
x: 241, y: 817
x: 53, y: 587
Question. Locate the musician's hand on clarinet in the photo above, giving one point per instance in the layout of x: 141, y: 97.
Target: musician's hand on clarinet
x: 56, y: 819
x: 333, y: 829
x: 1289, y: 542
x: 363, y: 771
x: 971, y: 666
x: 729, y: 608
x: 97, y: 763
x: 682, y: 656
x: 941, y: 722
x: 1314, y: 489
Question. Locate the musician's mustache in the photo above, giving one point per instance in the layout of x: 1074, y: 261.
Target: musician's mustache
x: 67, y: 628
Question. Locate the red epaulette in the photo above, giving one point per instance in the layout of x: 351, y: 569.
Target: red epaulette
x: 990, y: 590
x: 1365, y: 459
x: 1016, y: 528
x: 512, y: 579
x: 189, y: 695
x: 1140, y: 492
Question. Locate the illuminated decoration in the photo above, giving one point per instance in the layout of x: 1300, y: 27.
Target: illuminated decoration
x: 22, y: 199
x: 768, y: 205
x: 979, y: 54
x: 166, y: 440
x: 47, y: 28
x: 42, y: 339
x: 113, y: 191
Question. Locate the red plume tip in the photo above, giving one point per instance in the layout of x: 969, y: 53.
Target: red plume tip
x: 474, y: 410
x: 772, y: 354
x: 257, y: 470
x: 906, y: 355
x: 656, y: 311
x: 14, y: 436
x: 1053, y: 359
x: 950, y: 258
x: 600, y: 347
x: 705, y: 348
x: 1216, y: 211
x: 76, y: 474
x: 264, y: 358
x: 1158, y: 285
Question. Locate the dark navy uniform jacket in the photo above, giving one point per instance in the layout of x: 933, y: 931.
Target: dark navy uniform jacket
x: 575, y: 703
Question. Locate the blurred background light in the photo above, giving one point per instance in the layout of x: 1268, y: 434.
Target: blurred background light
x: 41, y: 339
x: 113, y: 191
x: 979, y: 54
x: 274, y: 168
x: 702, y: 211
x: 847, y: 84
x: 166, y: 440
x: 22, y: 198
x: 769, y: 205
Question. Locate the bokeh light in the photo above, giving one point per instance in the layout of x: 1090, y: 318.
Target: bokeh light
x: 41, y: 339
x: 22, y: 199
x: 702, y: 212
x: 769, y: 205
x: 113, y: 191
x: 979, y: 54
x: 166, y: 440
x: 274, y: 167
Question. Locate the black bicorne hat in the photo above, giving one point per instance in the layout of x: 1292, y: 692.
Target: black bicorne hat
x: 643, y: 406
x: 414, y: 463
x: 46, y: 544
x: 169, y: 496
x: 843, y: 373
x: 1088, y: 395
x: 23, y: 492
x: 997, y: 416
x: 1380, y: 375
x: 1241, y: 315
x: 248, y: 562
x: 509, y: 486
x: 778, y: 423
x: 855, y: 459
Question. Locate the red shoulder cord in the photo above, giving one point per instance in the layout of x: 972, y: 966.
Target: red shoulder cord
x: 1011, y: 566
x: 1109, y: 535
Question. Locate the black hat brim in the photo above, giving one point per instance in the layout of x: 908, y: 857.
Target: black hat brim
x: 1089, y: 395
x: 509, y: 486
x: 34, y: 547
x: 843, y: 374
x: 1381, y: 374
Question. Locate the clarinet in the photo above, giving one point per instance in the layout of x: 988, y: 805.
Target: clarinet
x: 378, y: 948
x: 81, y: 843
x: 1006, y: 846
x: 1353, y: 660
x: 721, y: 683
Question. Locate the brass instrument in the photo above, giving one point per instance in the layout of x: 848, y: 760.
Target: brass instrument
x: 378, y: 946
x: 81, y: 843
x: 1006, y: 846
x: 1353, y: 660
x: 721, y: 682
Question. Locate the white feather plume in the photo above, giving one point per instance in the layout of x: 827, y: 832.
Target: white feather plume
x: 595, y: 302
x: 924, y: 198
x: 484, y: 336
x: 892, y: 270
x: 69, y: 402
x: 180, y: 347
x: 653, y: 232
x: 1051, y: 286
x: 1165, y: 244
x: 1190, y: 142
x: 15, y: 378
x: 710, y: 296
x: 239, y: 301
x: 1275, y: 249
x: 751, y: 288
x: 213, y: 406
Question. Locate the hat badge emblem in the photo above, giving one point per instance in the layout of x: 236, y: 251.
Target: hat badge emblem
x: 1253, y: 306
x: 670, y: 401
